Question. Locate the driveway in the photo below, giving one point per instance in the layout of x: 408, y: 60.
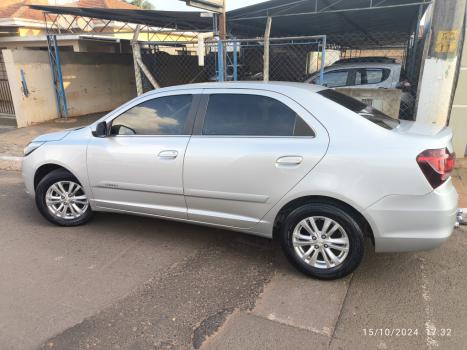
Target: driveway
x: 124, y: 282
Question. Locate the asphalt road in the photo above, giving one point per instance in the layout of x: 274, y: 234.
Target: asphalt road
x: 124, y: 282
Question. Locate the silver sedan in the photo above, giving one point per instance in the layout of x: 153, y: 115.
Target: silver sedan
x: 308, y: 166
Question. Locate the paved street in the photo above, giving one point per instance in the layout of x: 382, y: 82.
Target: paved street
x: 124, y: 282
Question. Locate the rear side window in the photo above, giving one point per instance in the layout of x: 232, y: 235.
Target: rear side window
x: 367, y: 112
x: 371, y: 75
x: 252, y: 115
x: 376, y: 75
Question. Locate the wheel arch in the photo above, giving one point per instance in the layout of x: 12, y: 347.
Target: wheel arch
x: 45, y: 169
x: 298, y: 202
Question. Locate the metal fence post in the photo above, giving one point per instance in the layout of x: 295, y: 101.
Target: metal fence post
x: 323, y: 60
x: 220, y: 60
x: 54, y: 57
x: 235, y: 61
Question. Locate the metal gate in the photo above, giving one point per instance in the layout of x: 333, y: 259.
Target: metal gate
x: 6, y: 101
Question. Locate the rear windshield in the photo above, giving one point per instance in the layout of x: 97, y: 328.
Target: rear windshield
x: 367, y: 112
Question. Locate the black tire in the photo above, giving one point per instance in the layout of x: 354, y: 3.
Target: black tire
x: 344, y: 219
x: 41, y: 190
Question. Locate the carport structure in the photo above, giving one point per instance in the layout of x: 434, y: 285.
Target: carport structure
x: 350, y: 25
x: 334, y: 29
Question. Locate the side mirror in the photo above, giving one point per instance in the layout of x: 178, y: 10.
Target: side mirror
x: 101, y: 130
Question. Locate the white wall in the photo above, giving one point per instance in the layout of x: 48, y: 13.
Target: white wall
x: 93, y: 83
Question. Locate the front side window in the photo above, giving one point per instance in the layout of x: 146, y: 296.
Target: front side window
x: 336, y: 78
x: 160, y: 116
x: 252, y: 115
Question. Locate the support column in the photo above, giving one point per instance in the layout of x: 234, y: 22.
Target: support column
x: 439, y: 69
x: 458, y: 116
x: 267, y: 33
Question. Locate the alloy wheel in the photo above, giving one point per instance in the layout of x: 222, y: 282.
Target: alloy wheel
x: 66, y: 200
x: 320, y: 242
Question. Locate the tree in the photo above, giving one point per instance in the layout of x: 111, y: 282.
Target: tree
x: 144, y: 4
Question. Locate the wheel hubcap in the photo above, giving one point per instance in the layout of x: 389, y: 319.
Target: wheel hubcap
x: 320, y: 242
x: 66, y: 200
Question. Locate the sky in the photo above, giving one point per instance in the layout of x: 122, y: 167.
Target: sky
x: 177, y: 5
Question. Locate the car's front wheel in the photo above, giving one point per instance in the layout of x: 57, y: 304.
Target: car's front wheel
x: 61, y: 199
x: 322, y: 240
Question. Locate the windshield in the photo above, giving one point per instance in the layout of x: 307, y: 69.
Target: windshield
x: 367, y: 112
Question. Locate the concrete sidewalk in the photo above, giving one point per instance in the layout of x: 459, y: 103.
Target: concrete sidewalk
x: 460, y: 182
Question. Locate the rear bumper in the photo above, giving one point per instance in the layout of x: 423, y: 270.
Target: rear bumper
x: 404, y: 223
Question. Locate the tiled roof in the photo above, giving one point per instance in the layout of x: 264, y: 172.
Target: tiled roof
x: 20, y: 8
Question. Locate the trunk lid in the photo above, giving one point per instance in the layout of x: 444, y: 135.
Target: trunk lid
x: 431, y: 135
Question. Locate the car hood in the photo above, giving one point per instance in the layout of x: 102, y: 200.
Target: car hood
x: 54, y: 136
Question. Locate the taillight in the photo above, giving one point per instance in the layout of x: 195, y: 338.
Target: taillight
x: 437, y: 165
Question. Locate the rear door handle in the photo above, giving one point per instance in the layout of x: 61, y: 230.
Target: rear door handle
x: 289, y: 160
x: 168, y: 154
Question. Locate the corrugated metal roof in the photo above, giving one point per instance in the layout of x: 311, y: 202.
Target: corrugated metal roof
x: 356, y: 23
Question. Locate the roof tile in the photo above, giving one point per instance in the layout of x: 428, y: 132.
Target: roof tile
x: 20, y: 8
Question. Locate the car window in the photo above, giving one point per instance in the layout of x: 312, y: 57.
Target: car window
x: 371, y: 114
x: 335, y: 78
x: 359, y: 77
x: 160, y: 116
x: 376, y: 75
x: 252, y: 115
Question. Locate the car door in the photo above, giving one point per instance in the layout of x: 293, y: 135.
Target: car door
x: 138, y: 166
x: 248, y: 149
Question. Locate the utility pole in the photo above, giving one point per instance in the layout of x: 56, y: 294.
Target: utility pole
x: 223, y: 23
x: 223, y: 36
x: 440, y: 66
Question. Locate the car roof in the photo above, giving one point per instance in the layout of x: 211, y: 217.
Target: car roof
x: 275, y: 86
x: 363, y: 65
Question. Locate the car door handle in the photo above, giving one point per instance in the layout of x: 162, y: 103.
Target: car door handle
x: 289, y: 160
x: 168, y: 154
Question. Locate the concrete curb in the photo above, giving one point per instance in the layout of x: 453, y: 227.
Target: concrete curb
x: 10, y: 163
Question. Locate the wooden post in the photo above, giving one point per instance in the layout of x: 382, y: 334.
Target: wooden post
x: 147, y: 73
x: 139, y: 64
x: 223, y: 24
x: 267, y: 34
x: 440, y: 67
x: 136, y: 49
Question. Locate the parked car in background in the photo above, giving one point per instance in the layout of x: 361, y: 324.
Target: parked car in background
x: 359, y: 75
x: 313, y: 168
x: 369, y: 73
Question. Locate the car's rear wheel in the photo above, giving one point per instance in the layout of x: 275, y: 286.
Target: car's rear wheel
x: 61, y: 199
x: 322, y: 240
